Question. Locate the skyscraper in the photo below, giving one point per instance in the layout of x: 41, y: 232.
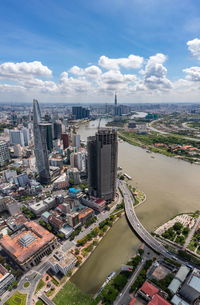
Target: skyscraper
x: 47, y: 129
x: 16, y: 137
x: 80, y: 112
x: 115, y: 109
x: 102, y: 164
x: 40, y: 145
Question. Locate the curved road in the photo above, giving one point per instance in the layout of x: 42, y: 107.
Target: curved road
x: 137, y: 226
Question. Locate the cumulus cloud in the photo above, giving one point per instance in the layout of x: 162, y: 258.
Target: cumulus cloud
x: 150, y: 78
x: 23, y: 69
x: 192, y: 74
x: 194, y: 47
x: 130, y: 62
x: 155, y: 73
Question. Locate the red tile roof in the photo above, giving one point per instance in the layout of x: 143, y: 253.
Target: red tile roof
x: 158, y: 300
x: 132, y: 301
x: 12, y: 246
x: 149, y: 289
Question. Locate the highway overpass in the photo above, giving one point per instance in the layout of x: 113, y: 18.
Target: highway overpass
x: 136, y: 225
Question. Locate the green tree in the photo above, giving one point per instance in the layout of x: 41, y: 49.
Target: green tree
x: 177, y: 226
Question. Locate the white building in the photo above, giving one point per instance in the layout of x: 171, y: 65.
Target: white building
x: 16, y: 137
x: 10, y: 175
x: 62, y: 262
x: 76, y: 140
x: 74, y: 174
x: 6, y: 279
x: 78, y: 160
x: 26, y: 135
x: 4, y: 153
x: 38, y: 207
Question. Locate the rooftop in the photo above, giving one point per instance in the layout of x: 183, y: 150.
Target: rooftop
x: 85, y: 212
x: 158, y: 300
x: 149, y: 289
x: 176, y: 300
x: 62, y: 259
x: 194, y: 282
x: 26, y: 242
x: 73, y: 190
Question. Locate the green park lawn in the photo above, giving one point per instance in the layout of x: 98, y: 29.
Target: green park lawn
x: 17, y: 299
x: 71, y: 295
x: 40, y: 285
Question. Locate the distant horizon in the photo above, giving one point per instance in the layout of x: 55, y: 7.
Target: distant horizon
x: 99, y: 103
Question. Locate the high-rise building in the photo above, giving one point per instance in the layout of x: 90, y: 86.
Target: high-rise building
x: 65, y: 139
x: 40, y: 145
x: 78, y: 160
x: 26, y: 135
x: 57, y: 129
x: 4, y: 153
x: 16, y: 137
x: 76, y: 140
x: 79, y: 112
x: 102, y: 164
x: 47, y: 129
x: 115, y: 109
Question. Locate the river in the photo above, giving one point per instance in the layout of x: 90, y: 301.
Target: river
x: 172, y: 186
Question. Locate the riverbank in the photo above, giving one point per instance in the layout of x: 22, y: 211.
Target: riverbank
x: 183, y: 231
x: 168, y: 145
x: 83, y: 251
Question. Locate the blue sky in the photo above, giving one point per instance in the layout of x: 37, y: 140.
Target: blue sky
x: 62, y: 34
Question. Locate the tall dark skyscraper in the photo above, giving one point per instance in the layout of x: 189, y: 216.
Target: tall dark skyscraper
x: 80, y: 113
x: 47, y: 128
x: 40, y: 145
x: 102, y: 164
x: 57, y: 125
x: 115, y: 109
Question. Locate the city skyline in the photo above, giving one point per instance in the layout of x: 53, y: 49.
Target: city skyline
x: 84, y: 52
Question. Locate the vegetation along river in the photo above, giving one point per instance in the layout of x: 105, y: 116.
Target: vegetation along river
x: 172, y: 186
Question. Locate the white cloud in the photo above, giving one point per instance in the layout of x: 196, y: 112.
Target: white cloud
x: 26, y: 80
x: 130, y: 62
x: 155, y: 73
x: 192, y: 74
x: 194, y: 47
x: 23, y: 69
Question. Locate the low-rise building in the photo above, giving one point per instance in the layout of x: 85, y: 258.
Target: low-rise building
x: 176, y: 300
x: 62, y: 262
x: 6, y: 279
x: 73, y: 219
x: 29, y: 245
x: 55, y: 221
x: 190, y: 291
x: 61, y: 182
x: 38, y: 207
x: 50, y: 202
x: 74, y: 192
x: 85, y: 215
x: 9, y: 204
x: 66, y: 230
x: 96, y: 204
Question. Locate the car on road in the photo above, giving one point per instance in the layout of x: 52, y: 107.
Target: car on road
x: 138, y: 224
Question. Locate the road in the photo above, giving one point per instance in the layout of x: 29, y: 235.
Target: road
x: 191, y: 233
x: 170, y: 133
x: 46, y: 300
x: 123, y: 297
x: 134, y: 222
